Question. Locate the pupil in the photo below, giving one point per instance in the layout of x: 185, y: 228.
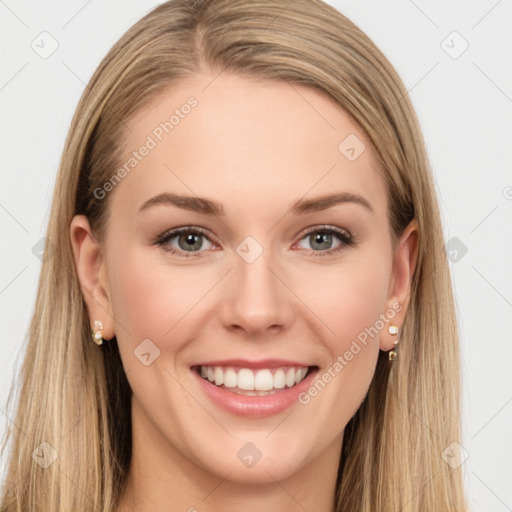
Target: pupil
x: 322, y: 238
x: 191, y: 240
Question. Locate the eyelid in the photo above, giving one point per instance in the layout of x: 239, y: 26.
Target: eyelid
x: 325, y: 227
x: 183, y: 229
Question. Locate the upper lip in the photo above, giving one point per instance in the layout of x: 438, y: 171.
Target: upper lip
x: 262, y: 363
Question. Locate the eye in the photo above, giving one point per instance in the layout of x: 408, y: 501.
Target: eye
x: 321, y: 237
x: 189, y: 241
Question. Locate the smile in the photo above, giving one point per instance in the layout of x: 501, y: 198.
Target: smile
x: 249, y: 382
x: 264, y: 389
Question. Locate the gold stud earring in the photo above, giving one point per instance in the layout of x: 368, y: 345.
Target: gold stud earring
x: 393, y: 330
x: 97, y: 335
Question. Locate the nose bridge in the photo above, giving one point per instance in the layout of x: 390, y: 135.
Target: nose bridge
x: 256, y: 298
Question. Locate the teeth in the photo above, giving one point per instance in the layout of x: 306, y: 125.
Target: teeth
x: 264, y: 381
x: 230, y: 378
x: 253, y: 380
x: 219, y: 376
x: 246, y: 379
x: 279, y: 379
x: 290, y: 377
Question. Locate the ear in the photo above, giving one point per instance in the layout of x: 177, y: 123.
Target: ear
x: 404, y: 263
x: 92, y: 274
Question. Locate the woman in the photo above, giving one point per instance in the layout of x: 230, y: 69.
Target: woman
x: 249, y: 304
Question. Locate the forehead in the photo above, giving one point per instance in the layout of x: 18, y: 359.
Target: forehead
x: 248, y: 142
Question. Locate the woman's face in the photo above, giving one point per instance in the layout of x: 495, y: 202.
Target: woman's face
x: 265, y: 279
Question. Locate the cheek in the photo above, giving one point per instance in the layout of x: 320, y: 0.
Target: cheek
x: 154, y: 300
x: 362, y: 301
x: 348, y: 299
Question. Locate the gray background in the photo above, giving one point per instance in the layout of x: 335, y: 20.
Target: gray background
x: 464, y: 102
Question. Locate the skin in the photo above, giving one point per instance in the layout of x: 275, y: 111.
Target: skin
x: 256, y: 147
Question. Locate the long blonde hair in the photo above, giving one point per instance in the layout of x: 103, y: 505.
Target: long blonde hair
x: 75, y: 396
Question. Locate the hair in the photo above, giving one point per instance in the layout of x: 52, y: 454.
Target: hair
x: 75, y: 396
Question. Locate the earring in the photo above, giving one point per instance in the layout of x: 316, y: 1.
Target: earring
x: 97, y: 335
x: 393, y: 330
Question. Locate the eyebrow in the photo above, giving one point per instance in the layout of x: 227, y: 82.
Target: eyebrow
x: 210, y: 207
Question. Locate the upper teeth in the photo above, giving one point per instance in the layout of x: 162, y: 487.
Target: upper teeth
x: 259, y: 380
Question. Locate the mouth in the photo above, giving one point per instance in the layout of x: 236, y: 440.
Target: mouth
x: 255, y: 382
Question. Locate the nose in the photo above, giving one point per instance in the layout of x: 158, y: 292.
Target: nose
x: 255, y: 298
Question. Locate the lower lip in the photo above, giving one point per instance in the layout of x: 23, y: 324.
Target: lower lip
x: 255, y: 406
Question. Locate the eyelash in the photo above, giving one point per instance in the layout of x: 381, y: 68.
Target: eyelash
x: 343, y: 235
